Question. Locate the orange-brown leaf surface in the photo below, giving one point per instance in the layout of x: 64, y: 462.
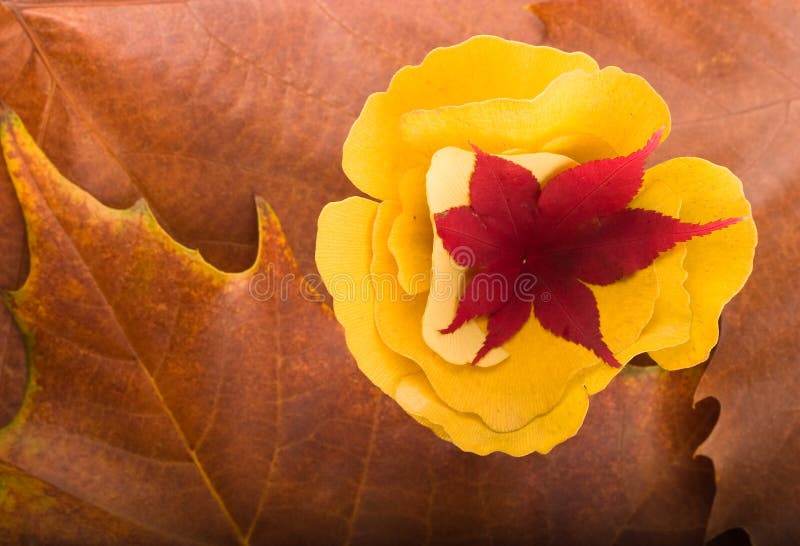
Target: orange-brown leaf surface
x: 200, y: 105
x: 729, y: 71
x: 162, y: 391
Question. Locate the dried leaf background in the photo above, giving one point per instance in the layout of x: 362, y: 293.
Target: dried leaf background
x: 197, y: 106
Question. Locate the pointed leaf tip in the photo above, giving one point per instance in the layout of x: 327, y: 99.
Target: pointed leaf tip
x: 590, y: 190
x: 503, y: 324
x: 655, y: 139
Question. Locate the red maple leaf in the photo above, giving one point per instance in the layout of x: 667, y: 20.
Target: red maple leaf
x: 546, y: 244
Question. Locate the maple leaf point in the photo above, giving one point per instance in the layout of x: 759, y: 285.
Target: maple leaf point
x: 576, y: 231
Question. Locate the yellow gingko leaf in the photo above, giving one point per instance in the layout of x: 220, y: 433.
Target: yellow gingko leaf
x: 344, y: 254
x: 718, y: 264
x: 375, y: 155
x: 609, y: 109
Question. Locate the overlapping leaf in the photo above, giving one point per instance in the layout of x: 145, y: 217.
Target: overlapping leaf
x: 189, y: 104
x: 576, y: 230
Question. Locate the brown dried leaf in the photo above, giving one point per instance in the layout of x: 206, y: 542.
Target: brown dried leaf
x: 756, y: 443
x: 162, y: 393
x: 200, y: 105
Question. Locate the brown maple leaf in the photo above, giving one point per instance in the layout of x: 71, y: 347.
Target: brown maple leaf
x: 171, y: 397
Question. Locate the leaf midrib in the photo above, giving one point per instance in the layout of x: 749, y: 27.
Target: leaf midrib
x: 170, y: 415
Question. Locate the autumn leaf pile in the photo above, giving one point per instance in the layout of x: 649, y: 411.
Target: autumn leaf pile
x: 166, y: 404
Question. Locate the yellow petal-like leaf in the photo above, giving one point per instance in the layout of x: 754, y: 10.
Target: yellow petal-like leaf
x: 344, y: 252
x: 613, y: 107
x: 374, y: 155
x: 411, y: 234
x: 718, y: 264
x: 470, y: 433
